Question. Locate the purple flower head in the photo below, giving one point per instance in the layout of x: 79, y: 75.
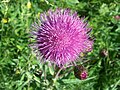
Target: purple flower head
x: 62, y: 36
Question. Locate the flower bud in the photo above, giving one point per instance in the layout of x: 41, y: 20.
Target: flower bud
x: 83, y: 75
x: 104, y: 53
x: 117, y: 17
x: 80, y: 72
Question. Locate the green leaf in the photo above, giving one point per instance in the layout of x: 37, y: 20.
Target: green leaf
x: 76, y: 81
x: 72, y: 1
x: 29, y: 75
x: 19, y: 47
x: 104, y: 9
x: 51, y: 70
x: 37, y: 79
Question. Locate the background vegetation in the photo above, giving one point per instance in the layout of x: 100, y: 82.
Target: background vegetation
x: 19, y: 67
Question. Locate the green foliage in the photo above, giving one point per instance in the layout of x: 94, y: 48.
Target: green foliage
x: 19, y: 67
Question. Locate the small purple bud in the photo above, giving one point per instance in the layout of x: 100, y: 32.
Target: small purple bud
x: 83, y: 75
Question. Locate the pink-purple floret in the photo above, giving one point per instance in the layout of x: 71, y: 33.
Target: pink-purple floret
x: 62, y: 36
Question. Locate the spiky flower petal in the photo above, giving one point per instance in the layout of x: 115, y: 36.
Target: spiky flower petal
x: 62, y: 36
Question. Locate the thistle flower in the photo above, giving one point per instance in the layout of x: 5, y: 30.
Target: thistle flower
x: 61, y: 36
